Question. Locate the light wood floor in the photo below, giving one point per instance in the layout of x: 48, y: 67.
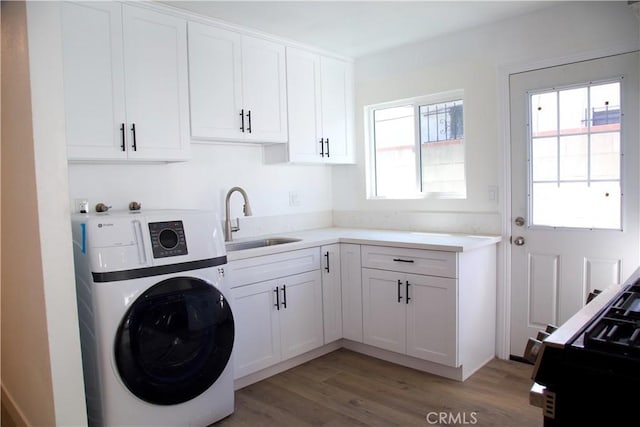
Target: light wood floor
x: 344, y: 388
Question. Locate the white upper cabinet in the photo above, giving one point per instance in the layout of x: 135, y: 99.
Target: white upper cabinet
x: 156, y: 79
x: 238, y: 86
x: 215, y: 78
x: 305, y: 108
x: 337, y: 110
x: 108, y: 47
x: 320, y: 107
x: 93, y: 80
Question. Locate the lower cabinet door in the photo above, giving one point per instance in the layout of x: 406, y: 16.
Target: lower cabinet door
x: 431, y: 318
x: 301, y: 327
x: 383, y: 309
x: 257, y: 327
x: 331, y: 292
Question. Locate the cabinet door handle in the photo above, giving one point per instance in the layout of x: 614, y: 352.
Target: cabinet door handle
x: 249, y: 117
x: 277, y: 304
x: 122, y: 132
x: 242, y: 120
x: 327, y: 267
x: 399, y: 290
x: 407, y: 293
x: 327, y: 141
x: 133, y: 131
x: 403, y: 260
x: 321, y: 147
x: 284, y: 296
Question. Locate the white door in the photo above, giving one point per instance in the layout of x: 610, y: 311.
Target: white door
x: 300, y: 313
x: 331, y: 292
x: 337, y: 93
x: 383, y: 309
x: 264, y: 91
x: 257, y: 327
x: 574, y: 171
x: 303, y: 104
x: 351, y: 285
x: 431, y: 318
x: 93, y: 80
x: 156, y: 79
x: 215, y: 82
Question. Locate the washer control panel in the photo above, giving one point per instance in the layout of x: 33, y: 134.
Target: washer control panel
x: 167, y: 239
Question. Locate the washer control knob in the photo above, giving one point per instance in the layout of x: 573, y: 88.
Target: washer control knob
x: 135, y: 206
x: 101, y: 207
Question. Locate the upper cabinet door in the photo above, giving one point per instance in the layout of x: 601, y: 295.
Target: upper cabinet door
x: 264, y: 90
x: 215, y: 79
x: 157, y: 103
x: 337, y: 109
x: 304, y: 107
x: 93, y: 80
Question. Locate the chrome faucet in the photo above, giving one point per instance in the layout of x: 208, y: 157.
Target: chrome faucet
x: 228, y: 229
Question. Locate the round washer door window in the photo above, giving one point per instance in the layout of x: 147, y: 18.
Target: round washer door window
x: 174, y: 341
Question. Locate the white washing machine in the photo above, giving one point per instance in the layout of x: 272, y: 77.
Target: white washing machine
x: 156, y: 327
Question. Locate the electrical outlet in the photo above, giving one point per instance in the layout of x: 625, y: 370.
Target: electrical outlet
x: 294, y: 198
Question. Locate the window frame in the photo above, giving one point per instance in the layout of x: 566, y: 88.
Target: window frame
x: 529, y: 150
x: 370, y: 146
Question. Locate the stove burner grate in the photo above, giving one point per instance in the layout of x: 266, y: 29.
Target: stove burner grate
x: 617, y: 330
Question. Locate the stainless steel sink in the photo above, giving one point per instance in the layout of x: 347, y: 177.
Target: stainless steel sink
x: 259, y: 243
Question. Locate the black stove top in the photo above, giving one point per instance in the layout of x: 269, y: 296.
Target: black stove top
x: 617, y: 329
x: 589, y: 363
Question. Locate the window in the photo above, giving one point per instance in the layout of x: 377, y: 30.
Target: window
x: 416, y: 148
x: 575, y: 156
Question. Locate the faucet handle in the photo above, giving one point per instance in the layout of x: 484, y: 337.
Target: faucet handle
x: 236, y: 227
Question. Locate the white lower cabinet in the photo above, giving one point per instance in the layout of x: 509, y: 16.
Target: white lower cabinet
x: 331, y: 292
x: 276, y: 318
x: 411, y: 314
x: 351, y: 277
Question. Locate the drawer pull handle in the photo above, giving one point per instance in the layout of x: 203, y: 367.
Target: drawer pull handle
x: 403, y: 260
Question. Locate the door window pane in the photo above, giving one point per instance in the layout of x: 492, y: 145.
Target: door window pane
x: 605, y: 155
x: 573, y: 157
x: 544, y: 114
x: 573, y: 108
x: 545, y: 159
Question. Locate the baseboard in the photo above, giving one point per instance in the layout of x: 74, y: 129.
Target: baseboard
x: 12, y: 408
x: 404, y: 360
x: 286, y: 365
x: 458, y: 373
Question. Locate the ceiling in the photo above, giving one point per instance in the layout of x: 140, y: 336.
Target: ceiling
x: 358, y: 28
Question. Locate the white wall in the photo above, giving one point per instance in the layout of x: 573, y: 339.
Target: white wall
x: 41, y: 369
x: 470, y: 61
x: 203, y: 182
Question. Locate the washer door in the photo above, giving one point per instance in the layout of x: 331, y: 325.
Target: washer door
x: 174, y: 341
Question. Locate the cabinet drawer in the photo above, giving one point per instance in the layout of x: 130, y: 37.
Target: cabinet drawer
x: 258, y: 269
x: 417, y: 261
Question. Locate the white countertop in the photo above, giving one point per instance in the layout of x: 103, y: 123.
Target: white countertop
x: 402, y: 239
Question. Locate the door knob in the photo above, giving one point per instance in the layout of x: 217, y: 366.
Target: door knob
x: 519, y: 221
x: 518, y: 241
